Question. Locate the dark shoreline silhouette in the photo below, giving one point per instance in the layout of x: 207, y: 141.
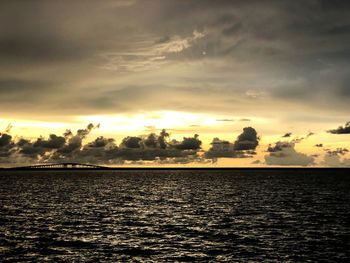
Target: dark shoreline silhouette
x: 82, y: 166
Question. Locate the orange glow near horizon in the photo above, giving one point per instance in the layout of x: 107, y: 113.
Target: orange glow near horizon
x: 179, y: 124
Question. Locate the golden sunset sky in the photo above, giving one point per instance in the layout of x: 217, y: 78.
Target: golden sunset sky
x: 212, y: 68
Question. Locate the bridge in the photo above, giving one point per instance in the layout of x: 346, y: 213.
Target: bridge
x: 63, y: 166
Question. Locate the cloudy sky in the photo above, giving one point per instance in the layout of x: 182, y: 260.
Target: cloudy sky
x: 219, y: 69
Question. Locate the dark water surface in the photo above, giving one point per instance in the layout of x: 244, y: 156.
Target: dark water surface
x: 218, y: 216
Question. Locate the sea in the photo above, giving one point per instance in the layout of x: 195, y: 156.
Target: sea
x: 271, y: 215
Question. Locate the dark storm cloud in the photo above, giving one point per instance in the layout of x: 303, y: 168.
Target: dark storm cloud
x: 189, y: 143
x: 247, y: 140
x: 74, y: 142
x: 341, y: 129
x: 82, y: 133
x: 156, y: 141
x: 29, y: 150
x: 286, y: 135
x: 224, y: 149
x: 243, y: 147
x: 71, y: 147
x: 5, y: 139
x: 54, y: 148
x: 151, y: 141
x: 6, y: 145
x: 279, y: 146
x: 153, y: 147
x: 54, y: 142
x: 131, y: 142
x: 100, y: 142
x: 220, y: 148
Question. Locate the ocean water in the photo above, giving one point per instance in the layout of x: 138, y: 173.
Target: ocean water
x: 172, y: 215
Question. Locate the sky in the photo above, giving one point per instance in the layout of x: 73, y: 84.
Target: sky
x: 175, y: 82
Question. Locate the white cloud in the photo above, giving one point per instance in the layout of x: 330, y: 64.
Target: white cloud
x: 146, y: 55
x: 334, y: 160
x: 284, y: 154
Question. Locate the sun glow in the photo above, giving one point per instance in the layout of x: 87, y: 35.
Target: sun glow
x: 149, y: 121
x: 32, y: 128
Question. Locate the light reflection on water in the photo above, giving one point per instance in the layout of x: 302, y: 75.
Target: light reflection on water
x: 175, y: 216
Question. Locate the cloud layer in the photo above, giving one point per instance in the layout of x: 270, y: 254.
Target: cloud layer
x: 70, y: 147
x: 159, y: 148
x: 89, y: 57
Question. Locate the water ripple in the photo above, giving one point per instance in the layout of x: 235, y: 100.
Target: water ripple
x: 185, y: 216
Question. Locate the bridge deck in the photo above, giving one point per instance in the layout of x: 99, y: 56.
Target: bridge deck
x: 63, y: 166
